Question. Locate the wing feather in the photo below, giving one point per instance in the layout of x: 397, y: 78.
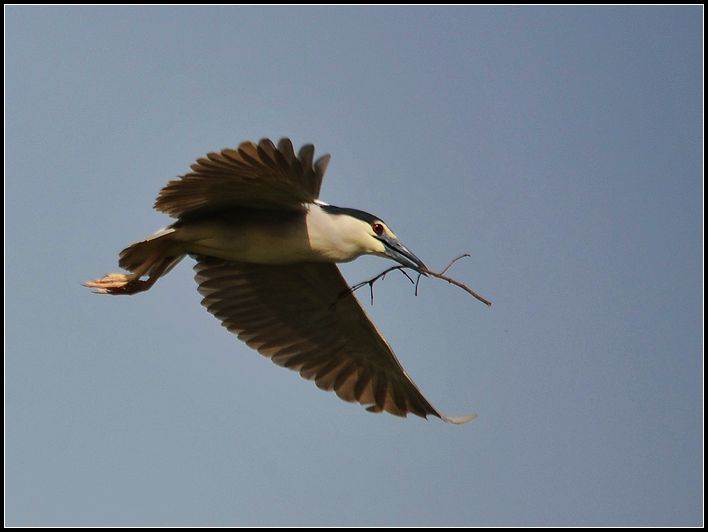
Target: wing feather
x: 252, y: 175
x: 297, y: 316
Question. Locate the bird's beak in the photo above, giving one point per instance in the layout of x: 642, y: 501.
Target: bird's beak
x: 401, y: 254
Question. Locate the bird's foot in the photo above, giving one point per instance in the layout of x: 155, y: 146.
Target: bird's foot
x: 118, y: 284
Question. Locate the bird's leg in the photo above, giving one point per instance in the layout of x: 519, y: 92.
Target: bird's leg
x: 128, y: 284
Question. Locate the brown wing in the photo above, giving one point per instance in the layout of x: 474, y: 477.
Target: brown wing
x: 261, y: 175
x: 302, y: 317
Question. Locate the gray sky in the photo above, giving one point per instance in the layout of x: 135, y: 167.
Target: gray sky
x: 561, y: 147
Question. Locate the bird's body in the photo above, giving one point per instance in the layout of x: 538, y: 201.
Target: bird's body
x: 266, y: 236
x: 265, y: 248
x: 249, y: 235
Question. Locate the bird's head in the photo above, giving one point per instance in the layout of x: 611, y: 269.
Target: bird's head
x: 373, y: 236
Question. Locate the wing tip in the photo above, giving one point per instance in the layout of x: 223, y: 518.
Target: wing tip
x: 459, y: 420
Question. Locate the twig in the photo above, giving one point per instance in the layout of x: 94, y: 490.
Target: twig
x: 371, y: 282
x: 421, y: 272
x: 458, y: 283
x: 453, y: 261
x: 441, y: 275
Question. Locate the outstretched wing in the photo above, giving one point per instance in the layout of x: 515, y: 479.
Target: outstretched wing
x: 253, y: 175
x: 303, y: 317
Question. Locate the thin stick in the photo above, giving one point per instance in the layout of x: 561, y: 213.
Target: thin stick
x: 421, y: 272
x: 453, y: 261
x: 441, y: 275
x: 458, y: 283
x: 371, y: 282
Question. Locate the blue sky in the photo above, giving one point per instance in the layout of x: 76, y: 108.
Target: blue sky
x: 560, y: 147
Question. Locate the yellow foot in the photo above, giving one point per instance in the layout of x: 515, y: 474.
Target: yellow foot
x: 118, y: 284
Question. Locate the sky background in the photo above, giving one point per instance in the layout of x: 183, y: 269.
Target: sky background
x: 561, y: 147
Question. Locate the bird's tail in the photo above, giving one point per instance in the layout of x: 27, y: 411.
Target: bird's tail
x: 152, y: 257
x: 152, y: 250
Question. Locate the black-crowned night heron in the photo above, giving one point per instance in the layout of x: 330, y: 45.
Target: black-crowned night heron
x: 266, y: 249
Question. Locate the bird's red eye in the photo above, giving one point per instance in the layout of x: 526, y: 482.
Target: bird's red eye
x: 378, y: 228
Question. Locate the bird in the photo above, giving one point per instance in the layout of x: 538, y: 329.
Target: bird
x: 266, y: 249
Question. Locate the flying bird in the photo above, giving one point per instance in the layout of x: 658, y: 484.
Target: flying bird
x: 265, y: 249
